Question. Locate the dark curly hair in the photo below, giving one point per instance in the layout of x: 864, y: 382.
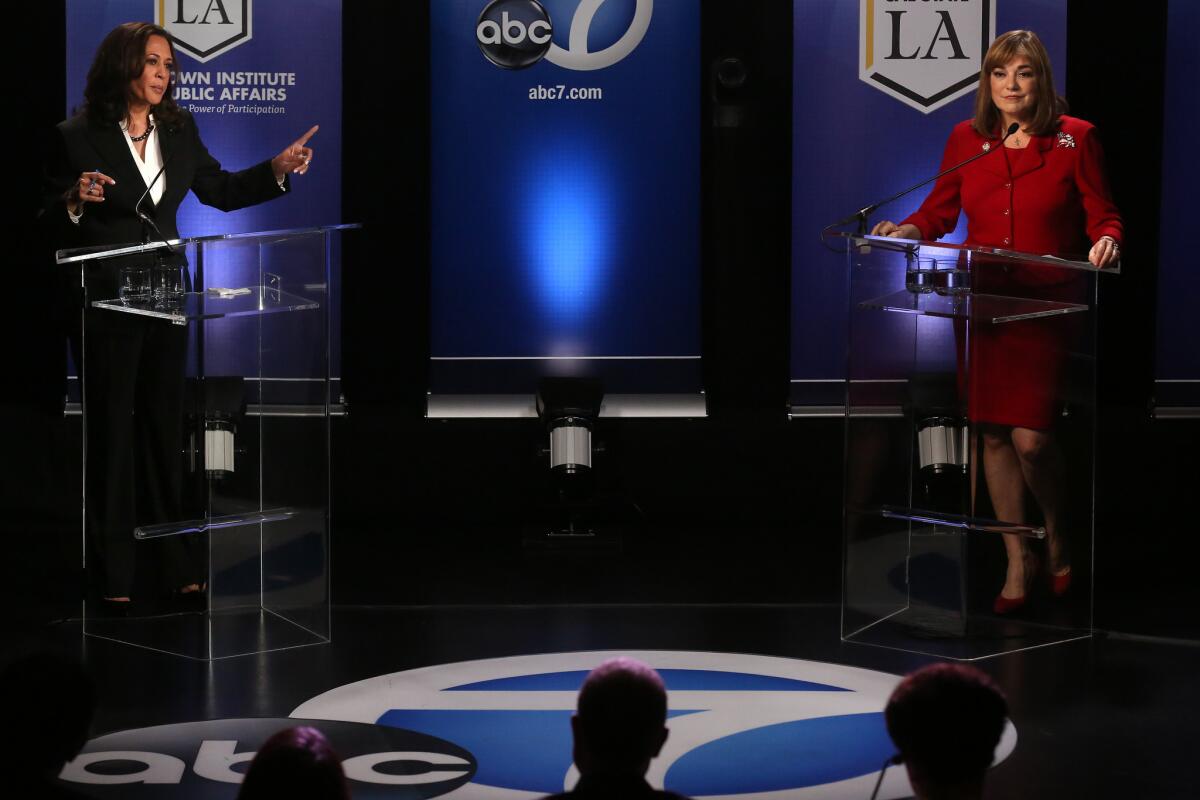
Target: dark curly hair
x: 295, y: 762
x: 946, y: 720
x: 119, y: 60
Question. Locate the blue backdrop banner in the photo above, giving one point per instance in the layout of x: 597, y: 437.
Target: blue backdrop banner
x: 877, y: 88
x: 565, y: 194
x: 1178, y: 367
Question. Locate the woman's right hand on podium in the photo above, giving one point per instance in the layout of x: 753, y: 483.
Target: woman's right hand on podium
x: 889, y: 228
x: 88, y: 189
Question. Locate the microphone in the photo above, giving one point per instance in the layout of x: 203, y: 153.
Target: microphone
x: 863, y: 213
x: 137, y: 207
x: 896, y: 759
x: 177, y: 260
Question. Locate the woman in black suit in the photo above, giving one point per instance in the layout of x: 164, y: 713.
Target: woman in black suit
x: 117, y: 174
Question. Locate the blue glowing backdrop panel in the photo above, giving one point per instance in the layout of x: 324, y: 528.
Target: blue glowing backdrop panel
x: 268, y: 74
x: 860, y: 139
x: 1178, y: 365
x: 565, y: 201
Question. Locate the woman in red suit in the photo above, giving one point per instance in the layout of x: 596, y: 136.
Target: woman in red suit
x: 1046, y: 192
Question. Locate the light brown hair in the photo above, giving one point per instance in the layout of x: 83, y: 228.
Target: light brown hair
x: 1048, y: 106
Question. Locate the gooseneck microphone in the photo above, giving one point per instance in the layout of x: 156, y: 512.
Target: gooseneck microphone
x: 863, y: 213
x: 176, y: 262
x: 142, y: 215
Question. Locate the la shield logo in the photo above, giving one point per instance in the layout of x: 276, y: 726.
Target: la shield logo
x: 924, y: 54
x: 205, y: 29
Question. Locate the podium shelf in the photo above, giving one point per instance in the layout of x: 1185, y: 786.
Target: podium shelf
x: 959, y: 521
x: 981, y: 307
x: 204, y: 305
x: 213, y: 523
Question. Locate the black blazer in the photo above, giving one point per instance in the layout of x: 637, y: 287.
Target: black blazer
x: 82, y: 145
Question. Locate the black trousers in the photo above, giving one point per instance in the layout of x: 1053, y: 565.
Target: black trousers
x: 133, y: 381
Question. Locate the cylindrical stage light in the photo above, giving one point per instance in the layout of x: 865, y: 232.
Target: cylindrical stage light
x: 570, y: 444
x: 942, y: 444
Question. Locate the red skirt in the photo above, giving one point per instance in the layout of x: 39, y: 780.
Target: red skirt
x: 1016, y: 373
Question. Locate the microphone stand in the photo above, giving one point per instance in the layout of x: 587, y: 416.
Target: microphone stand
x: 862, y: 215
x: 178, y: 260
x: 145, y: 218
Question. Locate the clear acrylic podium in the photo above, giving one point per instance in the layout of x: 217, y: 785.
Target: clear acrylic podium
x: 236, y: 370
x: 950, y: 347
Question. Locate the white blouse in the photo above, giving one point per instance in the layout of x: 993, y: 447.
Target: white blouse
x: 153, y: 163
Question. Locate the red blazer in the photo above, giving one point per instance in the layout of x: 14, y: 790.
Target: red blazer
x: 1039, y: 200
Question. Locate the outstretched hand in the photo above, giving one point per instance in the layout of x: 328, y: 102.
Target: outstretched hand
x: 295, y: 157
x: 1105, y: 252
x: 889, y: 228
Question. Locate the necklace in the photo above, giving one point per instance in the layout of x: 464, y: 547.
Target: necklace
x: 142, y: 138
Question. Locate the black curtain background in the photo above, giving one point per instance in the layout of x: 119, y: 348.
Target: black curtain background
x: 1145, y: 530
x: 740, y: 507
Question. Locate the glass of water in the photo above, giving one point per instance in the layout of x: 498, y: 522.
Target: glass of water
x: 921, y: 279
x: 167, y: 282
x: 134, y: 284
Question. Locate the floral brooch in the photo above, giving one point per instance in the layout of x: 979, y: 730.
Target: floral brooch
x: 1065, y: 139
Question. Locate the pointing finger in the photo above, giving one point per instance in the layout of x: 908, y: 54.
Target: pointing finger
x: 304, y: 139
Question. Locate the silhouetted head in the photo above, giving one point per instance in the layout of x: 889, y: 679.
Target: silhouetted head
x: 621, y: 719
x: 946, y: 720
x: 47, y: 701
x: 294, y: 763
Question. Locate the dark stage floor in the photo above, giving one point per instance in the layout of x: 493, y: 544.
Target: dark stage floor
x: 1109, y: 717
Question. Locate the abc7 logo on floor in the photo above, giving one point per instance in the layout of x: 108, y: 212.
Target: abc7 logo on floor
x: 515, y: 34
x: 742, y: 727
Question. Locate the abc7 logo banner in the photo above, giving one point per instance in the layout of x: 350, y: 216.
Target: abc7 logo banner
x: 515, y: 34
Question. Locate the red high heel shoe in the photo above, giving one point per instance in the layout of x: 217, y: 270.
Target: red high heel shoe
x: 1002, y: 605
x: 1060, y: 584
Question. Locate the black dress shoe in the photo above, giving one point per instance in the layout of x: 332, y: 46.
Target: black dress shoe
x: 115, y: 609
x: 194, y: 602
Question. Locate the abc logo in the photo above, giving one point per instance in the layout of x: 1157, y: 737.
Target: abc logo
x: 194, y: 759
x: 514, y: 34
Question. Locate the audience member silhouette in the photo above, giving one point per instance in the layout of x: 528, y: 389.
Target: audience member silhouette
x: 296, y: 762
x: 48, y: 701
x: 619, y: 727
x: 946, y: 720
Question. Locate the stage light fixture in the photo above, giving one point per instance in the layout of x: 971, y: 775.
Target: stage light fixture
x: 569, y: 407
x: 217, y: 403
x: 942, y: 444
